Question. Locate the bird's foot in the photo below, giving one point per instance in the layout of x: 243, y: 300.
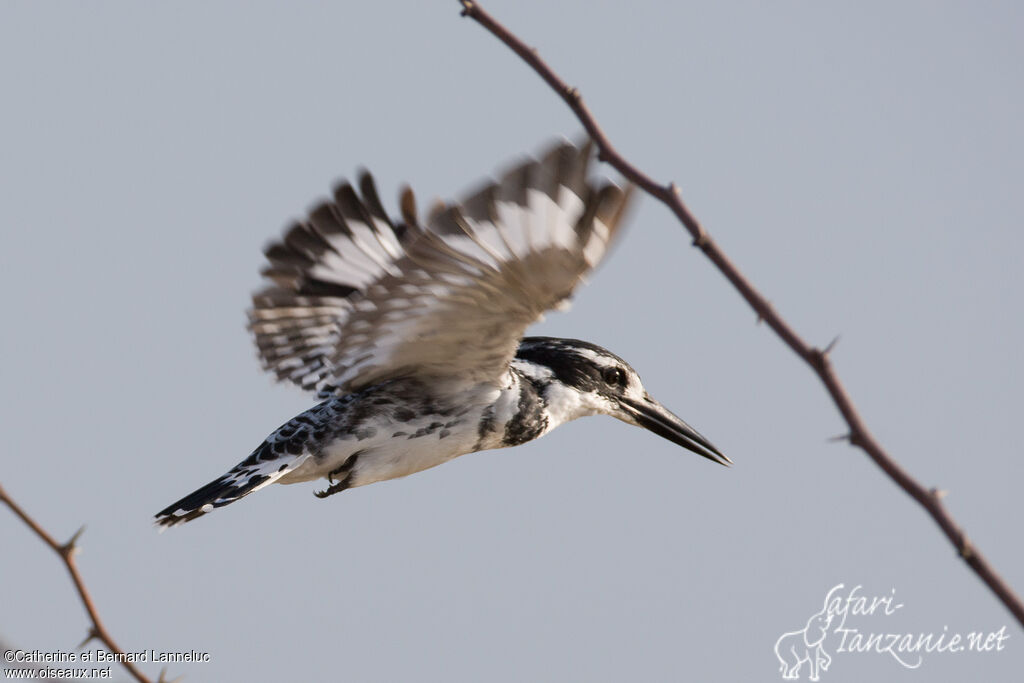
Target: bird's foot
x: 332, y: 489
x: 344, y: 468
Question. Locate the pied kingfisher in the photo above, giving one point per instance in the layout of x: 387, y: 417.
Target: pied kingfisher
x: 411, y: 333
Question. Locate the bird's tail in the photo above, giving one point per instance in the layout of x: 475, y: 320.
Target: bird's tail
x: 260, y: 469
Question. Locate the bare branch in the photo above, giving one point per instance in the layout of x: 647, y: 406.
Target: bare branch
x: 669, y: 194
x: 97, y: 631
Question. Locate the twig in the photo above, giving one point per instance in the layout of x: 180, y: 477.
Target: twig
x: 97, y: 631
x: 930, y: 500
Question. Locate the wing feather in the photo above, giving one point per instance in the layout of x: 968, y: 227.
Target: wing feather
x: 356, y: 298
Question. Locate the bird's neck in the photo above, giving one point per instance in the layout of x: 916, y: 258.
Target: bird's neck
x: 531, y: 404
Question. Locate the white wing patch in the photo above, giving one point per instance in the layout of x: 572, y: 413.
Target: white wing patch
x: 357, y: 298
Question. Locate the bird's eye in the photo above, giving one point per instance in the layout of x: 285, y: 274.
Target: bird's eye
x: 615, y: 376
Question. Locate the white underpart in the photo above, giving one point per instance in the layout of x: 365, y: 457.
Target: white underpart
x: 391, y: 453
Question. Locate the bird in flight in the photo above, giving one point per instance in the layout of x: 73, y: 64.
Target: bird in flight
x: 410, y: 331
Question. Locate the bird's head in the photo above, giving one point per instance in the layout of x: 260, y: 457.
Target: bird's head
x: 585, y: 379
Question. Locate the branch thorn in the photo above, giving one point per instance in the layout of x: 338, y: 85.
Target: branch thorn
x: 831, y: 345
x: 840, y: 437
x: 92, y: 635
x: 163, y: 677
x: 71, y: 546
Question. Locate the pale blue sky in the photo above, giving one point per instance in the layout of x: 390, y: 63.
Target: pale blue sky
x: 862, y: 162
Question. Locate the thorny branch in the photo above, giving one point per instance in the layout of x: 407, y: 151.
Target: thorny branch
x: 817, y: 359
x: 97, y: 631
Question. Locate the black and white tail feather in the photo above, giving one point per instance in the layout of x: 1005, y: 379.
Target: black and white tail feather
x: 244, y: 478
x: 407, y: 330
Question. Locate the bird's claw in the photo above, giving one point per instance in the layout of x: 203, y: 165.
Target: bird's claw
x: 331, y: 490
x: 344, y: 469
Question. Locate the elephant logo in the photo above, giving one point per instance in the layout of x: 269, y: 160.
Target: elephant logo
x: 796, y: 648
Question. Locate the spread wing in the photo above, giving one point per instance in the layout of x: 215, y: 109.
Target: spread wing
x: 357, y: 298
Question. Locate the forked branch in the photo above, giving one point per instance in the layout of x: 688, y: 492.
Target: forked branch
x: 817, y: 359
x: 66, y: 551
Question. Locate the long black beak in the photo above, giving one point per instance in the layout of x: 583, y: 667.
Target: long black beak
x: 653, y: 416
